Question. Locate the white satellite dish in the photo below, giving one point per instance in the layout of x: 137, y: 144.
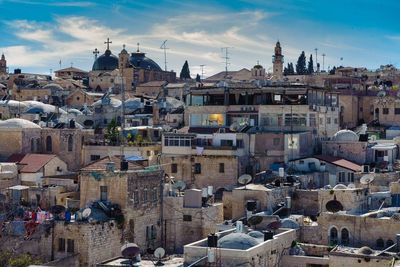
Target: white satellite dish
x: 86, y: 213
x: 367, y: 179
x: 245, y: 179
x: 179, y: 185
x: 381, y: 93
x: 234, y: 127
x: 159, y: 253
x: 351, y: 186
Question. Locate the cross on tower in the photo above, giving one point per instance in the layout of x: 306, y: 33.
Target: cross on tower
x: 96, y: 52
x: 108, y: 43
x: 123, y: 46
x: 137, y: 48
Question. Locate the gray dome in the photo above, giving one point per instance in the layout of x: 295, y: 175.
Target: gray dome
x: 18, y: 124
x: 256, y: 234
x: 107, y: 61
x: 365, y: 250
x: 238, y: 241
x: 139, y: 60
x: 345, y: 135
x: 289, y: 223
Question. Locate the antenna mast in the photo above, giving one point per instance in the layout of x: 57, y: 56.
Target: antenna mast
x: 226, y: 57
x: 164, y: 46
x: 316, y: 56
x: 323, y: 61
x: 202, y: 71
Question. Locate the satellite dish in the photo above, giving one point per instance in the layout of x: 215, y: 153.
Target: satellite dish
x: 381, y: 93
x: 245, y: 179
x: 254, y: 220
x: 367, y: 179
x: 351, y: 186
x: 274, y: 225
x: 334, y: 205
x: 130, y: 250
x: 159, y: 253
x: 234, y: 127
x: 86, y: 213
x: 179, y: 185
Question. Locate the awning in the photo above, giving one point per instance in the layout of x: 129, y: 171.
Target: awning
x: 384, y: 147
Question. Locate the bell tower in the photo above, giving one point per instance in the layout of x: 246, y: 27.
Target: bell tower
x: 3, y: 64
x: 277, y: 60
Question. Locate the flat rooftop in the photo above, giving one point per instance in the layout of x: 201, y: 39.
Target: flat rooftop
x: 172, y: 261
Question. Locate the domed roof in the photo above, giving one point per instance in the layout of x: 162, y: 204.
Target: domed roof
x: 139, y: 60
x: 339, y: 187
x: 289, y: 223
x: 345, y: 135
x: 18, y: 124
x: 107, y: 61
x: 53, y: 86
x: 365, y: 250
x: 256, y: 234
x: 238, y: 241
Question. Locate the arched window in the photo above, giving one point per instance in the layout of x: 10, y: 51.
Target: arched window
x: 33, y: 145
x: 380, y: 244
x: 38, y: 145
x: 345, y: 240
x: 70, y: 143
x: 333, y: 236
x: 49, y: 144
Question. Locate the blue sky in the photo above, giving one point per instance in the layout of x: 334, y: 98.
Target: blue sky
x: 35, y: 35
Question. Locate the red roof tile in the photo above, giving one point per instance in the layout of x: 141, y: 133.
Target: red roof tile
x: 34, y: 162
x: 340, y: 162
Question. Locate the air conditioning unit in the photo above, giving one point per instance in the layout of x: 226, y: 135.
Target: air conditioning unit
x: 365, y: 168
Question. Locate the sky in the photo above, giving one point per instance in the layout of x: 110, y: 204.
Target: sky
x: 36, y: 35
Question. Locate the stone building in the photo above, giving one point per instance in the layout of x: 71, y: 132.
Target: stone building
x: 136, y: 190
x: 187, y: 219
x: 71, y: 73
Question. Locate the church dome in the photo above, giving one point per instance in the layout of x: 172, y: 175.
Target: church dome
x: 139, y: 60
x: 18, y: 124
x: 107, y: 61
x: 345, y: 135
x: 238, y: 241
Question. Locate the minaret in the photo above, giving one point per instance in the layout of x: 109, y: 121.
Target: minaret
x: 3, y: 64
x: 277, y: 60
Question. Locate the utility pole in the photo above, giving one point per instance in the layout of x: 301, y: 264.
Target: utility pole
x: 164, y: 46
x: 226, y: 57
x: 202, y: 71
x: 323, y: 61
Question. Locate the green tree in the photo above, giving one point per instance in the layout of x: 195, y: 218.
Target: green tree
x: 332, y: 71
x: 301, y: 64
x: 185, y: 72
x: 198, y: 79
x: 310, y: 67
x: 286, y: 70
x: 112, y: 132
x: 291, y: 69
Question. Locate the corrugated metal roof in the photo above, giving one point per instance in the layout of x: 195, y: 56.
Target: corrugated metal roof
x: 340, y: 162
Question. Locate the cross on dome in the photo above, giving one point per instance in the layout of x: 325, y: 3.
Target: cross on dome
x: 108, y: 43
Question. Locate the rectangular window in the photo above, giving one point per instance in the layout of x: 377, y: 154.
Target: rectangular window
x: 94, y: 157
x: 301, y: 162
x: 385, y: 111
x: 151, y: 232
x: 61, y: 244
x: 155, y: 194
x: 239, y: 143
x: 350, y: 177
x: 70, y: 245
x: 145, y: 195
x: 174, y: 168
x: 136, y: 197
x: 197, y: 168
x: 313, y: 120
x: 342, y: 177
x: 336, y: 120
x: 103, y: 193
x: 328, y: 120
x: 397, y: 111
x: 187, y: 218
x: 221, y: 168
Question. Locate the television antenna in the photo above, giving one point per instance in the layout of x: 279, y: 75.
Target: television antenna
x: 323, y: 61
x: 164, y: 47
x: 202, y: 71
x: 159, y: 253
x: 245, y: 179
x: 225, y: 52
